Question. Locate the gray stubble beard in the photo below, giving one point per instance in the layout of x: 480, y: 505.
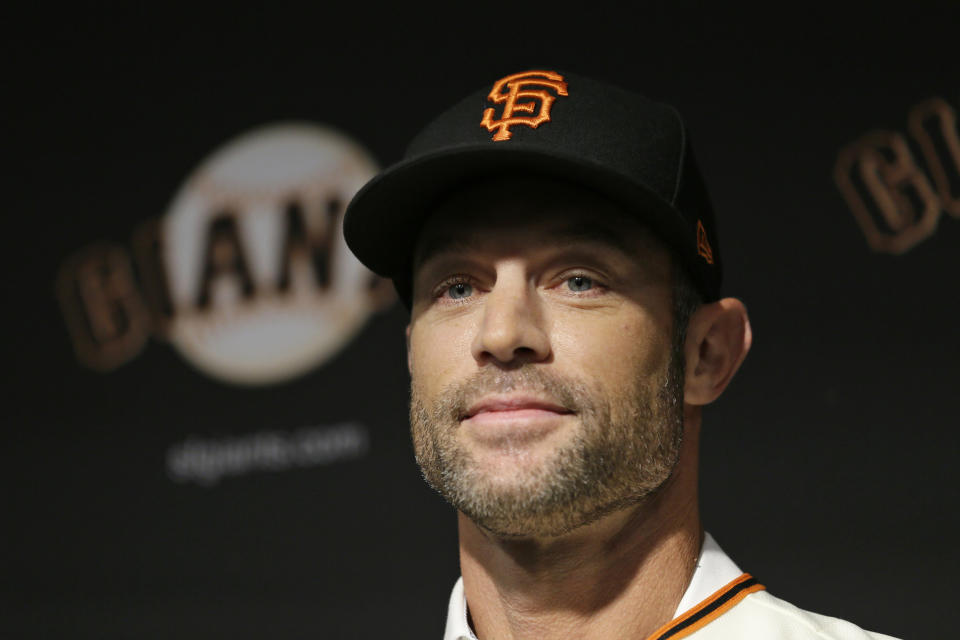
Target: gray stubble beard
x: 623, y: 450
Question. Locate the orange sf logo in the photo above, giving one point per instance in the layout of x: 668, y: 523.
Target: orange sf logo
x: 508, y: 91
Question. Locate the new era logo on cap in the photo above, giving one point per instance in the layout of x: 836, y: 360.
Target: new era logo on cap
x: 703, y: 243
x: 510, y: 90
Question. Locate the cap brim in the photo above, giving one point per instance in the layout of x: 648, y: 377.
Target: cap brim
x: 384, y: 218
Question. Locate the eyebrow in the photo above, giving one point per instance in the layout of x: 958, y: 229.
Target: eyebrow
x: 562, y: 237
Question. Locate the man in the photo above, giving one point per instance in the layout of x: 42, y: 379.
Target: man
x: 556, y: 247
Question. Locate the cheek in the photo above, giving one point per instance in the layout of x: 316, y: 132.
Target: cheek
x: 613, y: 351
x: 439, y: 354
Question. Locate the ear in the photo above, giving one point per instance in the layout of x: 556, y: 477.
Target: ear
x: 718, y: 339
x: 407, y: 334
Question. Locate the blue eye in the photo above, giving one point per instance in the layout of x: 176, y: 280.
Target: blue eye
x: 459, y: 290
x: 579, y: 283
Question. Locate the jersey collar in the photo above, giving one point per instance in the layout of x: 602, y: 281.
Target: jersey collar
x: 714, y: 573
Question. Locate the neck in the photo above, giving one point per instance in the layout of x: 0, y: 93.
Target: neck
x: 622, y: 576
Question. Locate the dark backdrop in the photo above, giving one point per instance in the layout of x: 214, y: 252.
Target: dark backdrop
x: 828, y: 466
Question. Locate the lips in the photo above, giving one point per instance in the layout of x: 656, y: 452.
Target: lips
x: 513, y: 406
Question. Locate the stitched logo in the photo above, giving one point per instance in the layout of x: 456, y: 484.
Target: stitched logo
x: 512, y: 94
x: 703, y: 245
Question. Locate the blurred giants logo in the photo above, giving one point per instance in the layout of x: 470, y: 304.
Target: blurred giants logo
x: 246, y: 274
x: 897, y: 200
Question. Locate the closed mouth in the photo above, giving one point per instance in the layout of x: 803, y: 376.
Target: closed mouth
x: 513, y: 403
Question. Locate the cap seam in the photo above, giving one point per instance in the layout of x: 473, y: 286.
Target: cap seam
x: 683, y: 154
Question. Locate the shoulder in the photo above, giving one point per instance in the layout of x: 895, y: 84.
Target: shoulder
x: 763, y: 616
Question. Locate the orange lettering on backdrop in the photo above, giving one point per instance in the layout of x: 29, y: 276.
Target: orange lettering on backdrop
x: 106, y: 316
x: 901, y: 194
x: 941, y: 116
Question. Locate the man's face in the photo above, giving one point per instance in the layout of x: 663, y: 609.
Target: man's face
x: 545, y: 392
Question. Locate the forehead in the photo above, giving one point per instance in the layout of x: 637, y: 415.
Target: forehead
x: 514, y: 213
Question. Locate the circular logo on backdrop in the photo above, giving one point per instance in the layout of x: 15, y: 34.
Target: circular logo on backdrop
x: 261, y: 283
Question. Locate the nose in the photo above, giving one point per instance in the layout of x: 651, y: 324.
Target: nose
x: 511, y: 329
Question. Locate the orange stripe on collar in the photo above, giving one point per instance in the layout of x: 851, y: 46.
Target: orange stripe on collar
x: 710, y: 609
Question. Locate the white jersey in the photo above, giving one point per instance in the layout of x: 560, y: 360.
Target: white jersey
x: 721, y: 603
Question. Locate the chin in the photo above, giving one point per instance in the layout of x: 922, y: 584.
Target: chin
x: 534, y: 504
x: 512, y: 523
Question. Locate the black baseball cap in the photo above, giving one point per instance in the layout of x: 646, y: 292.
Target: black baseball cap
x: 632, y: 150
